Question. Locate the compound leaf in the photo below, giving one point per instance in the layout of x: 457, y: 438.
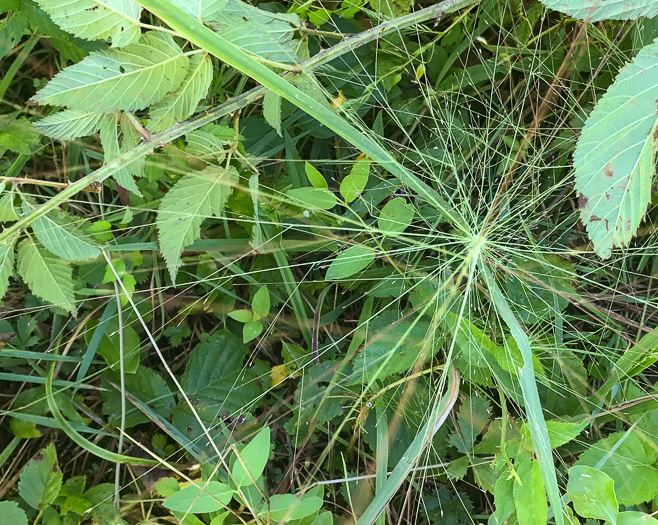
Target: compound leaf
x: 192, y: 199
x: 615, y: 155
x: 128, y: 79
x: 97, y: 19
x: 48, y: 277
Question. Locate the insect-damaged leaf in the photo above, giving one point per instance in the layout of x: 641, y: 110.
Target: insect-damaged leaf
x: 615, y: 155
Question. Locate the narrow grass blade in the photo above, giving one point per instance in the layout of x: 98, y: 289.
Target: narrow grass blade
x: 413, y: 452
x: 536, y: 422
x: 77, y: 438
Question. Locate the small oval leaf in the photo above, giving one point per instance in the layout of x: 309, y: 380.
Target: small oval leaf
x: 193, y: 499
x: 313, y: 198
x: 396, y: 216
x: 349, y: 262
x: 254, y: 456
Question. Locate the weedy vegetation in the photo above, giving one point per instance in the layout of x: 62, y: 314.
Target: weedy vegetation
x: 314, y: 263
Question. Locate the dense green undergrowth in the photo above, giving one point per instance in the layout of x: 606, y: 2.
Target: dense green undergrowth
x: 338, y: 262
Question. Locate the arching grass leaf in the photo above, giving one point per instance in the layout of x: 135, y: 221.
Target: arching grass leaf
x: 48, y: 277
x: 177, y: 106
x: 126, y: 79
x: 69, y: 124
x: 192, y: 199
x: 59, y: 234
x: 596, y: 10
x: 615, y: 155
x: 97, y: 19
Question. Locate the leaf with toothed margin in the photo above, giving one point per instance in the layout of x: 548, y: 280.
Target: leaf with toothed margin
x: 615, y: 155
x: 596, y: 10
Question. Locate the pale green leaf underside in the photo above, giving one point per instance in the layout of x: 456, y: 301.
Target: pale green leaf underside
x: 596, y: 10
x: 126, y: 79
x: 177, y: 106
x: 6, y: 267
x: 201, y: 9
x: 69, y: 124
x: 191, y: 200
x: 48, y: 277
x: 61, y: 236
x: 272, y: 110
x: 614, y: 158
x: 97, y: 19
x: 261, y: 33
x: 111, y: 126
x: 204, y: 144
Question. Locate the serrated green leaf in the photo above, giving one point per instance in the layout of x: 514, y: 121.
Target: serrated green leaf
x: 504, y: 497
x: 196, y: 499
x: 201, y: 9
x: 110, y: 132
x: 192, y: 199
x: 69, y: 124
x: 349, y: 262
x: 272, y: 110
x: 59, y: 234
x: 615, y: 155
x: 592, y: 493
x: 204, y: 145
x: 48, y: 277
x: 7, y: 211
x: 128, y: 79
x: 529, y: 496
x: 315, y: 177
x: 473, y: 416
x: 177, y: 106
x: 559, y: 432
x: 313, y: 198
x: 6, y: 266
x: 17, y: 134
x: 287, y: 507
x: 97, y: 19
x: 12, y: 513
x: 254, y: 456
x: 262, y: 33
x: 396, y: 216
x: 352, y: 185
x: 631, y: 465
x: 41, y: 480
x: 596, y: 10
